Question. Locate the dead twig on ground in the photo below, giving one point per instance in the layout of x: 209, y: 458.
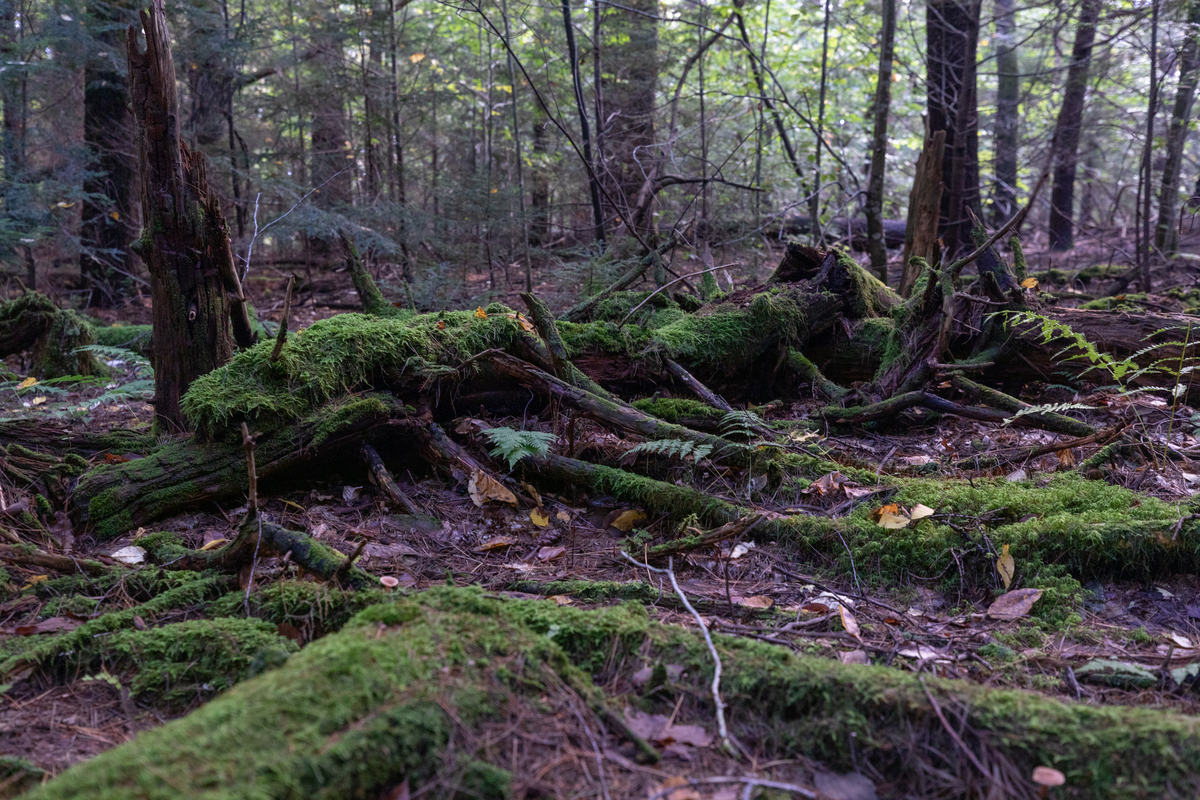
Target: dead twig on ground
x: 723, y: 731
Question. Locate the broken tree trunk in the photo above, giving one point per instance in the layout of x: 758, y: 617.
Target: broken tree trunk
x: 194, y: 283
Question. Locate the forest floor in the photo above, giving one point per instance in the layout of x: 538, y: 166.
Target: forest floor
x: 760, y: 590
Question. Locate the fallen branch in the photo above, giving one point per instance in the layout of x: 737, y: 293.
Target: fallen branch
x: 383, y: 479
x: 688, y: 544
x: 23, y: 554
x: 726, y: 743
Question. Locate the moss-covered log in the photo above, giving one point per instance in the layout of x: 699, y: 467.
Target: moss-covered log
x: 392, y: 697
x: 112, y: 499
x: 52, y: 335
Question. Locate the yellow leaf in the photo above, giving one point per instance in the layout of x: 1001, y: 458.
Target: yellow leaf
x: 483, y: 487
x: 114, y: 215
x: 1014, y: 605
x: 561, y: 599
x: 537, y: 498
x: 757, y: 601
x: 524, y: 323
x: 296, y: 506
x: 35, y: 579
x: 495, y: 542
x: 849, y: 623
x: 480, y: 313
x: 539, y: 517
x: 893, y: 521
x: 417, y: 58
x: 214, y: 544
x: 37, y: 401
x: 63, y: 204
x: 1006, y: 567
x: 920, y: 511
x: 563, y: 516
x: 625, y: 521
x: 1029, y: 283
x: 890, y: 508
x: 25, y: 384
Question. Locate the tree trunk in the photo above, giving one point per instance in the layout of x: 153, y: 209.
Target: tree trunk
x: 539, y: 181
x: 104, y: 259
x: 924, y: 208
x: 591, y: 164
x: 952, y: 33
x: 331, y: 158
x: 1067, y: 130
x: 1007, y: 128
x: 876, y: 245
x: 1167, y: 237
x: 185, y: 242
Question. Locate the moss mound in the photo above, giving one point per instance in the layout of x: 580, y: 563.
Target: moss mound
x: 388, y: 698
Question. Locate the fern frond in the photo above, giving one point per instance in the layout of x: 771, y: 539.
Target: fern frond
x: 513, y: 445
x: 1049, y: 408
x: 741, y: 423
x: 672, y: 448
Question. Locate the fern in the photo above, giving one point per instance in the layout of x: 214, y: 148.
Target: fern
x: 1049, y: 408
x: 672, y: 448
x: 513, y: 445
x: 741, y: 423
x: 117, y: 357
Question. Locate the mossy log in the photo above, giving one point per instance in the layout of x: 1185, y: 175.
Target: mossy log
x: 52, y: 335
x: 112, y: 499
x: 395, y: 695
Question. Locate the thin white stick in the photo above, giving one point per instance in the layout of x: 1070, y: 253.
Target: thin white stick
x: 250, y: 248
x: 750, y: 783
x: 716, y: 681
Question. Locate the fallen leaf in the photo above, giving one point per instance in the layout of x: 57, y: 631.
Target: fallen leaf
x: 1015, y: 604
x: 1016, y: 475
x: 693, y: 735
x: 494, y: 543
x: 851, y: 786
x: 855, y: 492
x: 130, y: 555
x: 524, y: 323
x: 920, y: 511
x: 893, y: 521
x: 550, y: 553
x: 52, y: 625
x: 921, y: 652
x: 561, y: 599
x: 563, y: 516
x: 37, y: 401
x: 441, y: 326
x: 35, y: 579
x: 757, y: 601
x: 915, y: 461
x: 1029, y: 283
x: 214, y: 544
x: 539, y: 517
x: 1180, y: 640
x: 625, y: 520
x: 483, y: 487
x: 740, y: 550
x: 1164, y: 593
x: 1048, y: 776
x: 1006, y: 567
x: 855, y: 657
x: 849, y: 623
x: 824, y: 484
x: 1117, y: 673
x: 480, y: 313
x: 1066, y: 459
x: 350, y: 494
x: 25, y: 384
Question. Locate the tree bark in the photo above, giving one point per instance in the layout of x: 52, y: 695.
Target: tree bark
x: 1167, y: 237
x: 876, y: 245
x: 1007, y: 126
x: 584, y: 128
x: 185, y: 242
x: 104, y: 259
x: 924, y: 209
x: 1067, y: 130
x: 952, y: 34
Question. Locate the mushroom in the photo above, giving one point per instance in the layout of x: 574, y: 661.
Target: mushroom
x: 1047, y: 777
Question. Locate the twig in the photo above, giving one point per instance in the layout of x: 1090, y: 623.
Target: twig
x: 702, y: 391
x: 595, y: 749
x: 750, y: 783
x: 716, y: 681
x: 344, y: 567
x: 250, y: 247
x: 954, y: 734
x: 379, y: 473
x: 251, y: 475
x: 667, y: 285
x: 281, y: 335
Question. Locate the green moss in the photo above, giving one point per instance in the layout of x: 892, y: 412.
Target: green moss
x: 677, y: 409
x: 363, y: 709
x: 127, y: 337
x: 590, y: 590
x: 1120, y: 302
x: 337, y: 356
x: 313, y: 608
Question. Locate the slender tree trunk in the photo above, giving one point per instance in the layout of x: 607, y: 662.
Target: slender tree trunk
x: 185, y: 242
x: 539, y: 177
x: 1068, y: 128
x: 1147, y: 160
x: 879, y: 138
x: 814, y: 200
x: 331, y: 158
x: 1167, y: 237
x: 952, y: 33
x: 1007, y: 128
x: 104, y: 261
x: 584, y: 128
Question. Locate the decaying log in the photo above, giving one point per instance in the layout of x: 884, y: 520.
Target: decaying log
x: 383, y: 479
